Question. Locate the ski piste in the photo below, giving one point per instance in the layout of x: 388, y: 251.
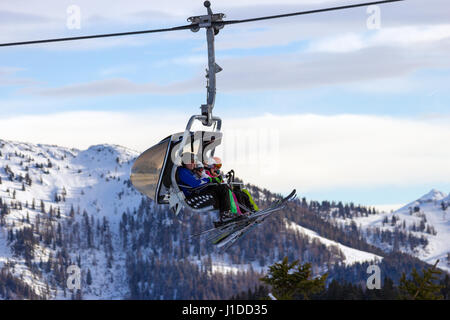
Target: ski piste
x: 221, y: 235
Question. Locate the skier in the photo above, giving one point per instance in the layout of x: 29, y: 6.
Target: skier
x: 213, y: 169
x: 188, y: 176
x: 240, y: 195
x: 200, y: 171
x: 193, y: 186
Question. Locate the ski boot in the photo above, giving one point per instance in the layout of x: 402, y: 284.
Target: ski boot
x: 226, y: 217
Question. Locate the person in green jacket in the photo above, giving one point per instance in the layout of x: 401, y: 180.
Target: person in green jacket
x: 240, y: 195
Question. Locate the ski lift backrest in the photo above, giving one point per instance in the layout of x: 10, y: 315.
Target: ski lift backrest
x: 147, y: 169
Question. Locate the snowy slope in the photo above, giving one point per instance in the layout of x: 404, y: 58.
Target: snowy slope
x: 433, y: 195
x: 439, y: 243
x: 5, y: 252
x: 424, y: 218
x: 351, y: 255
x: 91, y: 180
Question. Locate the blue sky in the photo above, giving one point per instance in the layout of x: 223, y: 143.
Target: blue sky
x: 394, y: 80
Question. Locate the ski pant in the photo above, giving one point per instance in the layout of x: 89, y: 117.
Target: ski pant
x: 243, y: 198
x: 220, y: 195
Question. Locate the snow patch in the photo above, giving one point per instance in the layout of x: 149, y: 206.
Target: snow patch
x: 352, y: 256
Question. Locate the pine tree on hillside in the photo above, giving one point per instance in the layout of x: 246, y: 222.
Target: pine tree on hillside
x: 72, y: 211
x: 89, y: 278
x: 42, y: 207
x: 293, y: 281
x: 389, y: 291
x: 446, y: 287
x: 421, y: 287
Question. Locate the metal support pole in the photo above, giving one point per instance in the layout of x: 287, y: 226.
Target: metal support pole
x: 209, y: 22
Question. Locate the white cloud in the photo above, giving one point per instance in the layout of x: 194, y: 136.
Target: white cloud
x: 404, y: 36
x: 119, y: 69
x: 344, y: 43
x: 83, y: 129
x: 117, y: 86
x: 8, y: 77
x: 314, y: 152
x: 350, y: 151
x: 362, y: 69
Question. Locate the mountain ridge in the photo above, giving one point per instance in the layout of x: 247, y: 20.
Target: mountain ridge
x: 62, y: 206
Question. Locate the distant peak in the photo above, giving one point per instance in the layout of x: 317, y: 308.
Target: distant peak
x: 107, y: 152
x: 103, y: 147
x: 111, y: 148
x: 433, y: 195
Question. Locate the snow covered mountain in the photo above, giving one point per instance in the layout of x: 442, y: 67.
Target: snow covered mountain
x: 433, y: 195
x: 430, y: 216
x: 61, y: 207
x: 45, y: 187
x: 420, y: 228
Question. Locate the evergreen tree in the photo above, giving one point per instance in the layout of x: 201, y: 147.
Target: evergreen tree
x: 446, y: 287
x: 293, y: 281
x: 89, y: 278
x: 389, y: 291
x: 72, y: 211
x: 421, y: 287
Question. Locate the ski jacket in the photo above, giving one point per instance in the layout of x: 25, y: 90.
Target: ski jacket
x: 218, y: 178
x: 188, y: 178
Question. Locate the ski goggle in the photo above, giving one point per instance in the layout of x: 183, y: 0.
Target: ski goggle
x: 218, y: 166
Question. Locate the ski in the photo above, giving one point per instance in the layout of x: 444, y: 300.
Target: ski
x: 236, y: 222
x: 239, y: 231
x: 221, y: 228
x: 273, y: 207
x: 235, y: 227
x: 239, y: 234
x: 225, y: 245
x: 233, y: 234
x: 219, y: 234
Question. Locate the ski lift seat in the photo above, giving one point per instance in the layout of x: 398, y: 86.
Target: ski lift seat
x: 196, y: 198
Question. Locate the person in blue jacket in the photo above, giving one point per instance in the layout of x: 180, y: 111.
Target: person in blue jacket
x: 193, y: 185
x: 189, y: 179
